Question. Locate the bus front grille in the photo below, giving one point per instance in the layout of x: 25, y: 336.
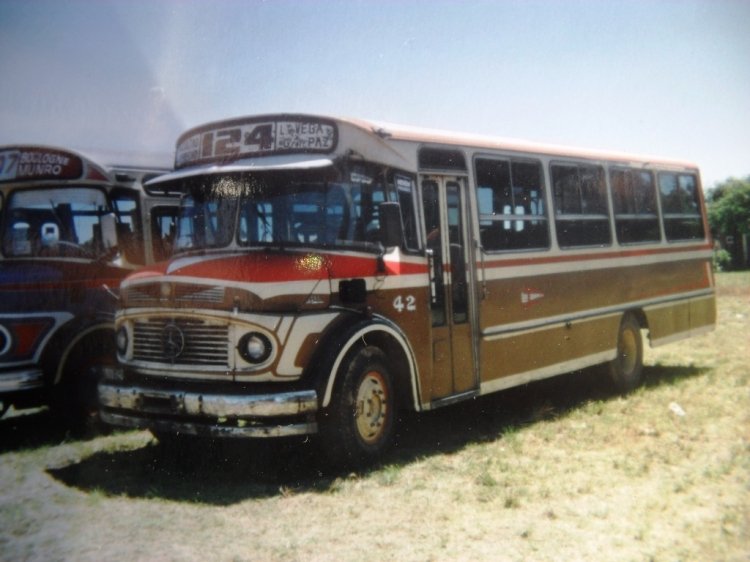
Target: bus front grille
x: 153, y: 294
x: 180, y: 342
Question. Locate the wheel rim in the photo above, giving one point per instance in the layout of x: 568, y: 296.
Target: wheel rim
x: 371, y: 412
x: 628, y: 351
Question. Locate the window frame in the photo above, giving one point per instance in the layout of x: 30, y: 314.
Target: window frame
x: 581, y: 217
x: 618, y: 217
x: 666, y: 213
x: 512, y: 219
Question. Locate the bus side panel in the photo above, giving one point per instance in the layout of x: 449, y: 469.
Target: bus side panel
x: 408, y: 306
x: 581, y: 343
x: 675, y: 321
x: 537, y: 295
x: 529, y: 308
x: 665, y: 321
x: 703, y: 313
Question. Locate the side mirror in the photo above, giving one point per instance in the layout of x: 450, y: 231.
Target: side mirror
x: 109, y: 231
x: 391, y: 229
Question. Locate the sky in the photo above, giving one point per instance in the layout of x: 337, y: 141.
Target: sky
x: 121, y: 79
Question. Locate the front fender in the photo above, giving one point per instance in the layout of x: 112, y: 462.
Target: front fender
x: 59, y: 351
x: 374, y: 330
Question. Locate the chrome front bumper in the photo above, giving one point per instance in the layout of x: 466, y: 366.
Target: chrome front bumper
x: 220, y: 415
x: 23, y: 379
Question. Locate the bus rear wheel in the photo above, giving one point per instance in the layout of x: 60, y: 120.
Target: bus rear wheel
x: 626, y: 369
x: 358, y: 426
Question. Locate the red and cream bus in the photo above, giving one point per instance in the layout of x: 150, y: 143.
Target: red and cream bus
x: 70, y: 230
x: 328, y: 272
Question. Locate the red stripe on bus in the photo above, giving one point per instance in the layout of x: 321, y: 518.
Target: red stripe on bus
x: 271, y: 268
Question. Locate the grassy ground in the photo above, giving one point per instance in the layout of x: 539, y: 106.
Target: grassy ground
x: 559, y: 470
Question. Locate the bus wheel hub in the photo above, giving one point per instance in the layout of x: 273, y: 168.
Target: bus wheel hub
x: 372, y: 407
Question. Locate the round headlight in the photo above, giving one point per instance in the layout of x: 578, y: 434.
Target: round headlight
x: 254, y: 347
x: 121, y: 341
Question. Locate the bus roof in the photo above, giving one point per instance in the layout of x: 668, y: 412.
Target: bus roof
x: 423, y: 135
x: 284, y: 141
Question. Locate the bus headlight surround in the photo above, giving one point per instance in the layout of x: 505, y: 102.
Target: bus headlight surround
x: 122, y: 340
x: 5, y: 340
x: 255, y: 347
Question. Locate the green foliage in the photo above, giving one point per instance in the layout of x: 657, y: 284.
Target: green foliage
x: 722, y: 260
x: 729, y: 207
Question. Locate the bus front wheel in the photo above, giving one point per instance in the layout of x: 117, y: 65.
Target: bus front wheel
x: 358, y: 425
x: 626, y: 369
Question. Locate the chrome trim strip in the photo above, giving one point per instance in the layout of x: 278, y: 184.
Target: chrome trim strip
x: 547, y: 372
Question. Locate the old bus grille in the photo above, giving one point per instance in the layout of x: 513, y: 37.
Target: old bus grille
x: 142, y: 296
x: 150, y: 295
x: 192, y: 293
x: 180, y: 342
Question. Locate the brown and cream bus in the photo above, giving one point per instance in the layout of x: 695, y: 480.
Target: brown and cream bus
x: 328, y: 272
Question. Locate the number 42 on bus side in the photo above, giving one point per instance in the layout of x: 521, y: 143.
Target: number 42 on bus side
x: 408, y: 303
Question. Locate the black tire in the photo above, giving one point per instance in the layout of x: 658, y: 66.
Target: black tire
x: 358, y: 426
x: 626, y: 369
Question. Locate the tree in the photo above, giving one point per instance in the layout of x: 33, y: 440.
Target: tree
x: 729, y: 217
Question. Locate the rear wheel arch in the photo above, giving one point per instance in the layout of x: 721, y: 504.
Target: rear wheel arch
x: 640, y: 317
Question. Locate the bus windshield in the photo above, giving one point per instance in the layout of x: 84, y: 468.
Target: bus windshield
x: 280, y: 209
x: 55, y: 222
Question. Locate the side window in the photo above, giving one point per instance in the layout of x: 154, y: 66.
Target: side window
x: 581, y: 213
x: 512, y: 213
x: 634, y: 199
x: 406, y: 198
x: 129, y: 234
x: 366, y: 199
x: 680, y: 205
x: 431, y: 206
x: 163, y: 230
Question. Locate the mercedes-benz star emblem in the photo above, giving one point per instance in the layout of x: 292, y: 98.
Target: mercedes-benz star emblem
x: 173, y: 340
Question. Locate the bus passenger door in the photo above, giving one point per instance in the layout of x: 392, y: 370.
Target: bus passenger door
x: 444, y: 199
